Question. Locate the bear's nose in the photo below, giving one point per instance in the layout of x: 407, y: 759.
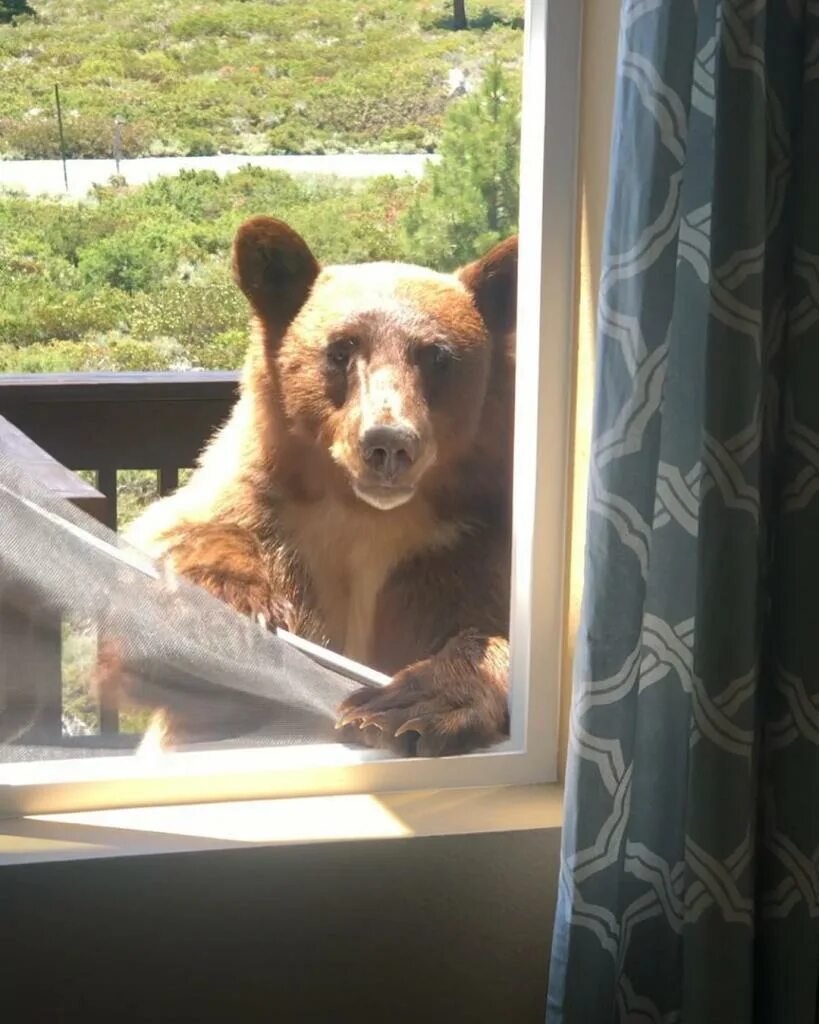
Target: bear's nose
x: 390, y: 451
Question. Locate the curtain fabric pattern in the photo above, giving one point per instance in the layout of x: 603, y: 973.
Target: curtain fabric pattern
x: 689, y: 887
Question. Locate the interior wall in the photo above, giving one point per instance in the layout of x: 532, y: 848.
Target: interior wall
x: 443, y: 929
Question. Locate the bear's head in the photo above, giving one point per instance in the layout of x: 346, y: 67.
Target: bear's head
x: 386, y: 370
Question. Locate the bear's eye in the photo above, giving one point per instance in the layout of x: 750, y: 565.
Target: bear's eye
x: 340, y: 352
x: 441, y: 356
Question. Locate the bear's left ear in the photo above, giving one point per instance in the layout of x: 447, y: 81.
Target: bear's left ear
x: 493, y: 279
x: 275, y: 268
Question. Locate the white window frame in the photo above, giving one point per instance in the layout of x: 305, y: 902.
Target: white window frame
x: 546, y: 322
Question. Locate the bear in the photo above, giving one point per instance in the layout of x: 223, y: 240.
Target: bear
x: 359, y: 494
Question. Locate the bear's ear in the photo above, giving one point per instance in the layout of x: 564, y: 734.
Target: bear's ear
x: 274, y: 267
x: 493, y: 279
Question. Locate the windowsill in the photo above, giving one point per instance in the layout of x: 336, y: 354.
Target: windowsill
x: 196, y: 827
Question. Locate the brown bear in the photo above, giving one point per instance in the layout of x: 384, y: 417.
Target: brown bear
x: 360, y: 493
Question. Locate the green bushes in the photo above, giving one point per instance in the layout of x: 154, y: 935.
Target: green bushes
x: 469, y: 201
x: 140, y: 278
x: 11, y: 9
x: 132, y: 260
x: 34, y: 136
x: 237, y: 75
x: 35, y: 310
x: 105, y: 353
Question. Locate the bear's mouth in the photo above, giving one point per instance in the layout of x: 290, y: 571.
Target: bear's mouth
x: 383, y: 496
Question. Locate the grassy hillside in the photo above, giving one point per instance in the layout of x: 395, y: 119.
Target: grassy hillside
x: 249, y: 76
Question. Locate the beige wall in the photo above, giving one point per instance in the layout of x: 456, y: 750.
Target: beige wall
x: 600, y: 29
x: 435, y: 929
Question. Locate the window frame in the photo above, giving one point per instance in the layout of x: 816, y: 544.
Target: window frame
x: 540, y: 547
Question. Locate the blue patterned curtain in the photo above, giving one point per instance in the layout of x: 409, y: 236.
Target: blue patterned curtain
x: 689, y: 888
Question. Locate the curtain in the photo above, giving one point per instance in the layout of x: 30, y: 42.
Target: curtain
x: 689, y: 888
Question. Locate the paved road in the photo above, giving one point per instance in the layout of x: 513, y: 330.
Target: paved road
x: 37, y: 177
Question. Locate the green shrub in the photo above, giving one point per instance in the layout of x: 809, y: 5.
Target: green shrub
x: 36, y: 137
x: 88, y: 355
x: 33, y: 311
x: 189, y: 314
x: 11, y: 9
x: 469, y: 201
x: 133, y: 259
x: 223, y: 351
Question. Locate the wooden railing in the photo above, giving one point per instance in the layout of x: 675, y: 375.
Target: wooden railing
x: 107, y: 422
x: 111, y: 421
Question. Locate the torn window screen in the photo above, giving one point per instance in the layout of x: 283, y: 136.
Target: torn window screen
x: 166, y: 643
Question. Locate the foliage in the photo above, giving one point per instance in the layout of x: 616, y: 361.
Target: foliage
x: 469, y: 201
x: 140, y: 278
x: 10, y: 9
x: 246, y: 76
x: 79, y: 649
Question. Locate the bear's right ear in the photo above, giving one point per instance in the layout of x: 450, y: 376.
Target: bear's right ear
x: 274, y: 267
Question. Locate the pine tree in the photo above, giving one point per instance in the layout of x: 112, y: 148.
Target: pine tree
x: 10, y: 9
x: 459, y: 14
x: 469, y: 200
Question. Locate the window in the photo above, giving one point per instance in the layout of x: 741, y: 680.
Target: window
x: 542, y: 411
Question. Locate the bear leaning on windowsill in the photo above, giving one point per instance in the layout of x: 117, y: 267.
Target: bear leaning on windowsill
x: 360, y: 493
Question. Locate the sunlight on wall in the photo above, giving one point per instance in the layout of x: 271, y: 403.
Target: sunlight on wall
x: 309, y: 819
x: 131, y: 830
x: 600, y: 30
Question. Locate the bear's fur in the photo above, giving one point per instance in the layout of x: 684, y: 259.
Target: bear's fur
x: 360, y: 493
